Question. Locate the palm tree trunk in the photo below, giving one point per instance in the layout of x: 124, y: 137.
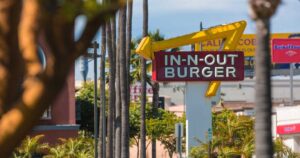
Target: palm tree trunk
x: 128, y: 49
x: 155, y: 100
x: 113, y: 39
x: 170, y: 154
x: 112, y: 92
x: 102, y: 93
x: 143, y: 84
x: 138, y: 148
x: 118, y: 102
x: 113, y: 33
x: 123, y: 85
x: 263, y: 102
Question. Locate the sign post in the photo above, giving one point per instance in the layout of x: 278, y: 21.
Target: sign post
x: 179, y: 135
x: 209, y: 69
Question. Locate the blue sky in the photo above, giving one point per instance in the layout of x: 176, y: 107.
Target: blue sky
x: 178, y: 17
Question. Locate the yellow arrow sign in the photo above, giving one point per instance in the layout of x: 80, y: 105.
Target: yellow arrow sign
x: 229, y: 33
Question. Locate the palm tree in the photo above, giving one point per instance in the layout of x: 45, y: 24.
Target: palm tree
x: 156, y: 36
x: 102, y: 95
x: 233, y: 137
x: 143, y: 84
x: 261, y: 12
x: 118, y: 95
x: 128, y: 53
x: 123, y: 86
x: 137, y: 73
x: 128, y: 44
x: 112, y: 92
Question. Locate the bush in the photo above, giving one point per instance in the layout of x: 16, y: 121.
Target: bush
x: 31, y: 148
x: 79, y: 147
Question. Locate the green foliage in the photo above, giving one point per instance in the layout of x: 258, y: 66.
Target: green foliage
x: 86, y: 93
x: 233, y: 136
x: 85, y: 103
x: 167, y: 137
x: 70, y: 9
x: 134, y: 120
x: 160, y: 125
x: 281, y: 150
x: 200, y: 151
x: 30, y: 147
x: 79, y: 147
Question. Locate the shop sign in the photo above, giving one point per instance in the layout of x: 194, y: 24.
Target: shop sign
x: 246, y: 44
x: 288, y: 129
x: 286, y: 50
x: 198, y: 66
x: 136, y: 91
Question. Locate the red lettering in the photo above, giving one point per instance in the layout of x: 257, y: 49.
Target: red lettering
x: 135, y: 97
x: 247, y: 41
x: 149, y: 90
x: 139, y: 89
x: 241, y: 42
x: 209, y: 43
x: 215, y: 43
x: 253, y: 42
x: 134, y: 89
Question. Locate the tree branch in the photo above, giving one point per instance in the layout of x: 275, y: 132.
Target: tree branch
x: 92, y: 26
x: 42, y: 86
x: 11, y: 65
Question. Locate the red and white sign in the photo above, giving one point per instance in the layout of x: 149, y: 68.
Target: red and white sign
x: 198, y: 66
x: 136, y: 91
x: 288, y: 129
x: 286, y: 50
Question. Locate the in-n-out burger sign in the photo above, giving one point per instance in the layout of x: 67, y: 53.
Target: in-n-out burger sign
x: 198, y: 66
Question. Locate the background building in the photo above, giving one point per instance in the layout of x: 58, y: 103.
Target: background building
x: 59, y: 120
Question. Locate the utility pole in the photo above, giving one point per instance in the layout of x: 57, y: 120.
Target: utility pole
x: 84, y: 71
x: 94, y: 56
x: 95, y: 46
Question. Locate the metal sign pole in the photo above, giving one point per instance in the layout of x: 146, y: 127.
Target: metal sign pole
x: 179, y: 135
x: 291, y: 84
x: 292, y: 74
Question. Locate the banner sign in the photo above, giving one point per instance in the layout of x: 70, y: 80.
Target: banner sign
x: 286, y: 50
x: 198, y: 66
x: 288, y: 129
x: 246, y: 44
